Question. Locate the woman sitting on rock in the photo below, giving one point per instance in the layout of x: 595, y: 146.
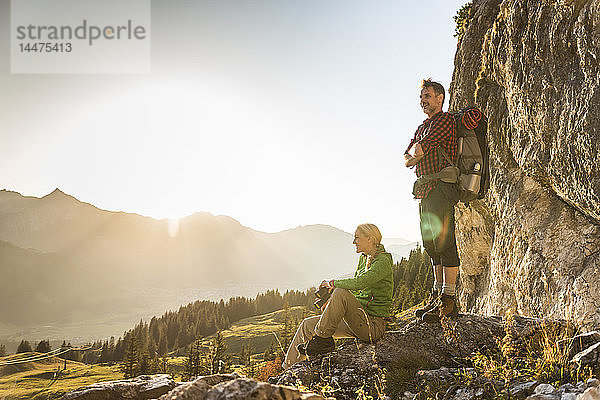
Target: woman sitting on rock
x: 357, y: 307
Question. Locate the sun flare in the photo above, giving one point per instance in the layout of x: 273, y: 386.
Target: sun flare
x: 173, y: 227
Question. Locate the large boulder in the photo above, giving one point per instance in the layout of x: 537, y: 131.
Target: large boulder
x: 234, y: 387
x: 141, y: 388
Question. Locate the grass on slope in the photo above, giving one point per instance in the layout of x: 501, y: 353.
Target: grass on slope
x: 36, y: 380
x: 258, y: 331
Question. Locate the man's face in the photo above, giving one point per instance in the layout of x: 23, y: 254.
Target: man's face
x: 431, y: 103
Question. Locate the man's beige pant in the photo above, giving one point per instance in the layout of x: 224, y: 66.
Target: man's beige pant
x: 343, y: 317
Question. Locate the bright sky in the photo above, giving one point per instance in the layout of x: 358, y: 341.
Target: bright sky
x: 276, y: 113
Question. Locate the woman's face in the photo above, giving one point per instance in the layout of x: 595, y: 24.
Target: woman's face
x: 362, y: 242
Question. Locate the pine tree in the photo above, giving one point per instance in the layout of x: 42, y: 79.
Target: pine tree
x: 245, y: 354
x: 194, y: 364
x: 218, y: 360
x: 162, y: 345
x: 90, y: 356
x: 119, y: 351
x: 144, y: 366
x: 24, y: 347
x: 286, y: 333
x: 245, y: 359
x: 131, y: 358
x: 104, y: 353
x: 413, y: 280
x: 2, y: 350
x: 269, y: 354
x: 154, y: 330
x: 43, y: 346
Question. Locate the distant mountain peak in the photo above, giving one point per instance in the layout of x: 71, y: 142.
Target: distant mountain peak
x: 59, y: 195
x: 6, y: 192
x: 56, y: 192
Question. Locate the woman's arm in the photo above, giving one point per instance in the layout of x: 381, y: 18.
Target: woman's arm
x: 375, y: 273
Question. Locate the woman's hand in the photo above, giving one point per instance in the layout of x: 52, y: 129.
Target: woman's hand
x: 327, y: 284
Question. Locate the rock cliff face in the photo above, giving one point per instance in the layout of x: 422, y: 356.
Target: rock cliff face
x: 533, y: 66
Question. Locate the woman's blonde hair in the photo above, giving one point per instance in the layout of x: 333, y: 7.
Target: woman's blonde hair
x: 370, y: 231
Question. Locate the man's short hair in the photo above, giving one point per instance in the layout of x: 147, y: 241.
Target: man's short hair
x: 437, y: 87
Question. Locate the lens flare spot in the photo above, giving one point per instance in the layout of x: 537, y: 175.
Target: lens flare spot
x: 173, y: 227
x: 431, y: 226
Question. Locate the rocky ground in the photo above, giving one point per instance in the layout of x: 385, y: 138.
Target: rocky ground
x: 417, y: 361
x: 213, y: 387
x: 422, y: 360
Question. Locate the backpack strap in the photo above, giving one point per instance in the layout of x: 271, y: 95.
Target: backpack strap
x: 448, y: 174
x: 446, y: 157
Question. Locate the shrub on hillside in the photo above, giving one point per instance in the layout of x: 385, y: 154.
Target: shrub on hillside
x: 43, y: 347
x: 270, y: 368
x: 24, y: 347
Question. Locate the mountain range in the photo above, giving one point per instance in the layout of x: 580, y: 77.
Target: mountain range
x: 60, y: 253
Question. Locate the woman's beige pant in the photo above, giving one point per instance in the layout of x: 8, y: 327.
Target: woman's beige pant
x: 343, y: 317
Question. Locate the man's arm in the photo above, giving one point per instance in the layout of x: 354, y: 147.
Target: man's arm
x: 413, y: 159
x: 440, y: 130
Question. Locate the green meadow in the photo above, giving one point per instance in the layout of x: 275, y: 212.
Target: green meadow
x: 39, y: 380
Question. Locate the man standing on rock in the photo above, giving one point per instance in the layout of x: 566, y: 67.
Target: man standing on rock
x: 431, y: 149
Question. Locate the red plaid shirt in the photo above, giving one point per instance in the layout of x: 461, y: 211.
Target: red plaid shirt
x: 434, y: 132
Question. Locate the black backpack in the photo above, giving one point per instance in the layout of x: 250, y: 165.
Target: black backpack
x: 473, y: 158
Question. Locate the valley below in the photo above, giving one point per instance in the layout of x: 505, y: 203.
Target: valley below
x: 154, y: 302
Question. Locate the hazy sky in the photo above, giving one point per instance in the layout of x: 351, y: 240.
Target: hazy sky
x: 276, y: 113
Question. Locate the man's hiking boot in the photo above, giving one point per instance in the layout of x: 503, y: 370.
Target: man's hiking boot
x: 318, y: 345
x: 432, y: 304
x: 448, y: 308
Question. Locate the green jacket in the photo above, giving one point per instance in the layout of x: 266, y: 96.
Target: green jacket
x: 373, y: 287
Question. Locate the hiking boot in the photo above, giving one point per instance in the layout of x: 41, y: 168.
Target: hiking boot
x: 432, y: 304
x: 318, y: 345
x: 448, y: 308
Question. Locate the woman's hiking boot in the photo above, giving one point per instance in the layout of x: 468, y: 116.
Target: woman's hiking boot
x: 448, y: 308
x: 432, y: 304
x: 318, y: 345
